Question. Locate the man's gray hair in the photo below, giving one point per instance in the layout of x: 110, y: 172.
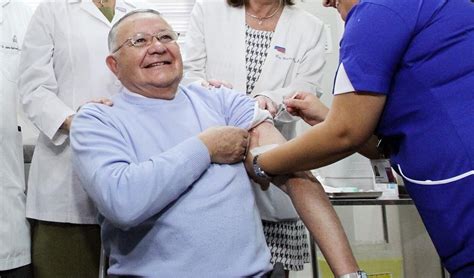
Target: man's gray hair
x: 113, y: 31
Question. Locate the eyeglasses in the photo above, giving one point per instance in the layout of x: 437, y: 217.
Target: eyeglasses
x: 143, y: 39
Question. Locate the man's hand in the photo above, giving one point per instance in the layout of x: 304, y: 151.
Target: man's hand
x: 266, y: 103
x: 307, y: 106
x: 66, y: 126
x: 226, y: 144
x: 216, y: 83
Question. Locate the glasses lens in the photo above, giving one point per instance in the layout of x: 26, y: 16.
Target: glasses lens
x: 140, y: 39
x: 143, y: 39
x: 167, y: 36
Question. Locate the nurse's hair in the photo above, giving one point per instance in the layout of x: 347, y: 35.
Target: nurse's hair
x: 112, y: 44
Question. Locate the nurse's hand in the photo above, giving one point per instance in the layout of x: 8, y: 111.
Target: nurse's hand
x: 307, y: 106
x: 266, y: 103
x: 226, y: 144
x: 216, y: 83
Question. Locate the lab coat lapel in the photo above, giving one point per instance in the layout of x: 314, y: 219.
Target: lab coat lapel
x: 89, y: 7
x: 122, y: 8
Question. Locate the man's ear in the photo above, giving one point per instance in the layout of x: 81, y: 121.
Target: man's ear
x: 112, y: 64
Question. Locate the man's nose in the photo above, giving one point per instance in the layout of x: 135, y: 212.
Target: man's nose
x: 156, y: 46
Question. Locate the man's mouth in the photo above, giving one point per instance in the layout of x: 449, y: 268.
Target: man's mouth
x: 158, y: 64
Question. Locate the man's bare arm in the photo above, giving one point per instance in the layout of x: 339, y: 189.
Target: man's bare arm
x: 313, y: 206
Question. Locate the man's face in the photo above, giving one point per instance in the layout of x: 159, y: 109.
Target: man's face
x: 154, y: 70
x: 342, y: 6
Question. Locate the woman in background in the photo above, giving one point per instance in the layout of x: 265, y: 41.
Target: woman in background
x: 267, y: 49
x: 62, y: 67
x: 15, y: 237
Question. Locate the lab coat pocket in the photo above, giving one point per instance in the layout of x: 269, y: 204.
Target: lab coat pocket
x: 10, y: 57
x: 12, y: 151
x: 19, y: 143
x: 285, y: 55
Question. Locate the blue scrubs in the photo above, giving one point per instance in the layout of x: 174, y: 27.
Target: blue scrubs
x: 420, y: 54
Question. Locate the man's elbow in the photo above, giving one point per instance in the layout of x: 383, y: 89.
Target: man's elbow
x: 120, y: 209
x: 122, y: 218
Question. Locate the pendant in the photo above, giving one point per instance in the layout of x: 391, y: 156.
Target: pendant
x: 260, y: 22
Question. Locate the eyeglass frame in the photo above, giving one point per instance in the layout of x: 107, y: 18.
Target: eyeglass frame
x: 155, y: 35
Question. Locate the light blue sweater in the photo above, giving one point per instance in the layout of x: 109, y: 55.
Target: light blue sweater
x: 165, y: 209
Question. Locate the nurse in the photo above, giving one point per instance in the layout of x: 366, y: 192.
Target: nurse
x: 15, y: 256
x: 62, y: 67
x: 406, y: 73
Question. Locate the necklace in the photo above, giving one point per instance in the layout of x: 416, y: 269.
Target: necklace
x: 261, y: 19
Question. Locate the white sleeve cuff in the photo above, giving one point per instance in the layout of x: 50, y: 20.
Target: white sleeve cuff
x: 260, y: 116
x: 342, y: 85
x: 59, y: 137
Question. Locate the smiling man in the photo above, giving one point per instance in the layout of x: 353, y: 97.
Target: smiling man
x: 160, y: 164
x: 154, y: 72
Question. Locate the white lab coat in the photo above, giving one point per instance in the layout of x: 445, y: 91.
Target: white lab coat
x: 215, y: 49
x: 62, y: 67
x: 14, y: 231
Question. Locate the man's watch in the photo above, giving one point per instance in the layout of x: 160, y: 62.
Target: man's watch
x: 358, y: 274
x: 259, y: 171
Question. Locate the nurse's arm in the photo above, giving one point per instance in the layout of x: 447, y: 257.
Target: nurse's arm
x: 313, y: 206
x: 313, y: 111
x: 348, y: 126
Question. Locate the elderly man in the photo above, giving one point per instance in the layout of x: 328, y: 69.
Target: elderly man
x: 163, y: 166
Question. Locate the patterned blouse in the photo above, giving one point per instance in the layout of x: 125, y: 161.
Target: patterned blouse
x: 257, y: 43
